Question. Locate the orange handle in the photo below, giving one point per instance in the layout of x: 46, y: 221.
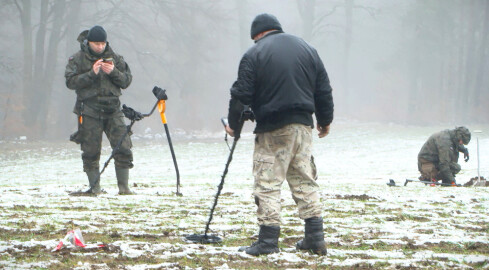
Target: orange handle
x: 80, y: 119
x: 161, y: 109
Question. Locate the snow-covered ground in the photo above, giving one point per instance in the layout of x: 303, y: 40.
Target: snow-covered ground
x: 367, y: 223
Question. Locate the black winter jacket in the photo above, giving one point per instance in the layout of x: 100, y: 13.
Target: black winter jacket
x: 284, y: 81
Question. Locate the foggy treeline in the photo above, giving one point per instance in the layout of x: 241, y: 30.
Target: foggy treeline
x: 410, y: 62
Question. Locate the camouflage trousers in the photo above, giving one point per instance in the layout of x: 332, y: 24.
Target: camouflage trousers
x: 282, y: 154
x: 90, y: 133
x: 429, y: 170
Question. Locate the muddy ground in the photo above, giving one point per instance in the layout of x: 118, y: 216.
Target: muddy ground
x: 368, y: 225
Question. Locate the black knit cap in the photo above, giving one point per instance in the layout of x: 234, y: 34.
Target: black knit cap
x: 264, y: 22
x: 97, y: 34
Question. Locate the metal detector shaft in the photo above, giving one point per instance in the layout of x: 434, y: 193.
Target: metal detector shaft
x: 246, y: 114
x: 230, y: 158
x: 174, y: 158
x: 161, y: 109
x: 152, y: 110
x: 116, y: 148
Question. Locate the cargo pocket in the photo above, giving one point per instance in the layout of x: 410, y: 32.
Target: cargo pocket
x: 263, y: 167
x: 78, y: 135
x: 314, y: 169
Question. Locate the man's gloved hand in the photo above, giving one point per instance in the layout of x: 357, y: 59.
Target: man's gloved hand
x: 131, y: 114
x: 247, y: 114
x: 464, y: 150
x: 466, y: 154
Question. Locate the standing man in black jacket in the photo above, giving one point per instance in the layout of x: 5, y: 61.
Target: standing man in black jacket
x: 284, y: 81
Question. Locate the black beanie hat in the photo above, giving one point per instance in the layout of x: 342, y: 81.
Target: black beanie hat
x: 264, y: 22
x: 97, y: 34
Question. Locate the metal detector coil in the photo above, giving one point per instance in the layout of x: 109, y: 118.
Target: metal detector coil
x: 204, y: 239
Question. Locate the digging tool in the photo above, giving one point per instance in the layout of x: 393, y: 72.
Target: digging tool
x: 247, y: 114
x: 431, y: 183
x: 132, y: 115
x: 161, y: 108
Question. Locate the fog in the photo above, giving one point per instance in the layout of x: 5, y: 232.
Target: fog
x: 415, y: 63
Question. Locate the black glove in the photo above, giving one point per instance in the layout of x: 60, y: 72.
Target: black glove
x: 247, y: 114
x: 466, y: 155
x: 159, y: 93
x: 234, y: 115
x: 131, y: 114
x: 464, y: 150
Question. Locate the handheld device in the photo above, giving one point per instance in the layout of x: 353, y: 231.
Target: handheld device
x: 224, y: 121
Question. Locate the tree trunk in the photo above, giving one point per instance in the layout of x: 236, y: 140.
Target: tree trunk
x: 243, y: 25
x: 25, y: 19
x: 40, y: 43
x: 413, y: 59
x: 460, y: 71
x: 470, y: 59
x: 50, y: 67
x: 347, y: 46
x: 484, y: 57
x: 307, y: 12
x: 65, y: 118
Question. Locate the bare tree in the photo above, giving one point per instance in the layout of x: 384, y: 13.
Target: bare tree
x: 24, y: 8
x: 39, y: 62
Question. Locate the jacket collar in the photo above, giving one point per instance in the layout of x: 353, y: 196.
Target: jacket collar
x: 269, y: 34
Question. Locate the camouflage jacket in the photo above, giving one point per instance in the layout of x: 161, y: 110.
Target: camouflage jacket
x: 97, y: 94
x: 441, y: 149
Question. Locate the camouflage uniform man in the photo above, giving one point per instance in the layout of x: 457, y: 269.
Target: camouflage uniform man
x: 98, y: 74
x: 438, y: 158
x: 284, y: 81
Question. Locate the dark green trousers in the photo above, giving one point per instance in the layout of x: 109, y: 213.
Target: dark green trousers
x: 91, y: 131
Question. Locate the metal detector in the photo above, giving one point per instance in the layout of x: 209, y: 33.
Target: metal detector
x: 431, y: 183
x: 247, y: 114
x: 159, y: 93
x: 134, y: 116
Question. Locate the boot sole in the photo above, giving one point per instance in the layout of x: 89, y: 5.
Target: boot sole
x: 264, y: 253
x: 82, y: 194
x: 316, y: 250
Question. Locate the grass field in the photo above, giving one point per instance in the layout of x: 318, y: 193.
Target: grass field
x: 368, y: 225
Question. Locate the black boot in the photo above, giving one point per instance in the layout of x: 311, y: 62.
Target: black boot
x: 122, y: 181
x: 94, y: 182
x: 267, y: 241
x: 313, y: 237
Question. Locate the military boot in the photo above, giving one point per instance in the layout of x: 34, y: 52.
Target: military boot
x: 122, y: 181
x: 94, y: 182
x: 267, y: 241
x: 313, y: 237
